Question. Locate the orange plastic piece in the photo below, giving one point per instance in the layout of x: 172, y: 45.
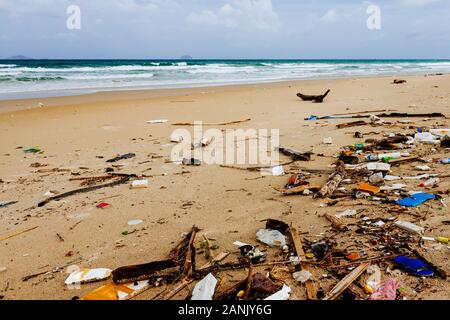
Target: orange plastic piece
x: 365, y: 187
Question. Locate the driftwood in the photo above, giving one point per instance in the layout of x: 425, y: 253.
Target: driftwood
x: 295, y: 155
x: 212, y: 124
x: 317, y: 99
x: 362, y: 112
x: 171, y: 268
x: 385, y: 115
x: 333, y: 181
x: 144, y: 271
x: 351, y: 124
x: 335, y: 221
x: 120, y: 181
x: 311, y: 289
x: 398, y: 81
x: 346, y: 282
x: 408, y: 115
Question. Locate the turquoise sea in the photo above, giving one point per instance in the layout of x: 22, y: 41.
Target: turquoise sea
x: 42, y: 78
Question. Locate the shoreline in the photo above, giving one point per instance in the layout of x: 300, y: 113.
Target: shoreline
x: 22, y: 104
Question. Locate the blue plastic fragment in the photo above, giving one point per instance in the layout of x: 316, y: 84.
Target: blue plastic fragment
x: 414, y: 266
x: 416, y: 199
x: 312, y: 118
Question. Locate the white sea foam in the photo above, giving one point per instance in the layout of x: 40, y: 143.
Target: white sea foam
x: 24, y: 77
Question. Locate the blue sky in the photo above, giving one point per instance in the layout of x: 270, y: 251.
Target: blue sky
x: 225, y: 29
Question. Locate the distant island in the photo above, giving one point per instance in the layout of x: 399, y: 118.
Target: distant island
x: 186, y: 57
x: 19, y: 57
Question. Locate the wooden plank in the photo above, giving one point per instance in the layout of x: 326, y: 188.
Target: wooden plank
x: 346, y: 282
x: 311, y: 288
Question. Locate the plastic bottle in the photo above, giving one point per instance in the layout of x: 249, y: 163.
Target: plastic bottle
x: 445, y: 161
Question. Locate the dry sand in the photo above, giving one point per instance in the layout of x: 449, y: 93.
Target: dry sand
x: 226, y: 204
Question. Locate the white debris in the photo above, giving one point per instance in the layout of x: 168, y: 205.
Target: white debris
x: 139, y: 184
x: 408, y: 226
x: 157, y: 121
x: 204, y: 290
x: 281, y: 295
x: 347, y: 213
x: 271, y: 237
x: 303, y: 276
x: 88, y: 275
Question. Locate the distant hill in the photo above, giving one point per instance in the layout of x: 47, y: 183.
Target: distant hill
x: 187, y: 57
x: 19, y: 57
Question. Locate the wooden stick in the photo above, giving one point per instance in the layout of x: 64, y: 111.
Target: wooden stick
x: 311, y: 289
x: 212, y: 124
x: 17, y: 233
x: 123, y: 180
x: 346, y: 282
x: 177, y: 288
x: 248, y: 286
x: 218, y: 258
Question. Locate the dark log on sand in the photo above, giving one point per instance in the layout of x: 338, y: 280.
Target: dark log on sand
x: 295, y: 155
x: 317, y: 99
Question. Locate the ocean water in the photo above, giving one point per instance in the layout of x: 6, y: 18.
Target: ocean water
x: 42, y: 78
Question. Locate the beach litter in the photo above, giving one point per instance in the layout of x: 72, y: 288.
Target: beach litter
x: 4, y: 204
x: 271, y: 237
x: 157, y: 121
x: 204, y: 290
x: 416, y: 267
x: 281, y: 295
x: 32, y: 150
x: 103, y: 205
x: 411, y: 227
x: 139, y: 184
x: 135, y: 222
x: 416, y: 199
x: 88, y: 276
x: 121, y: 157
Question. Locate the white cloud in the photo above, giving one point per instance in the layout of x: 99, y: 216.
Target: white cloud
x: 329, y: 16
x: 254, y: 14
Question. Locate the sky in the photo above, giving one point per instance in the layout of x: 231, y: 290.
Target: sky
x: 226, y: 29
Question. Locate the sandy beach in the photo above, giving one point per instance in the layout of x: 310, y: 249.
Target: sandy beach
x: 78, y: 134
